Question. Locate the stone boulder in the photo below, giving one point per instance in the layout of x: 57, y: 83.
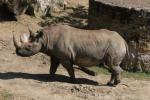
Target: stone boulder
x: 31, y: 7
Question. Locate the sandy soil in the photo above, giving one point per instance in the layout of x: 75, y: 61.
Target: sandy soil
x: 27, y: 78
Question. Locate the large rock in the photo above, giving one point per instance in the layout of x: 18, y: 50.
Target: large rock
x: 32, y: 6
x: 49, y: 7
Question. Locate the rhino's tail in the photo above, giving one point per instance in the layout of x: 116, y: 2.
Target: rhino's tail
x: 127, y: 50
x: 127, y: 58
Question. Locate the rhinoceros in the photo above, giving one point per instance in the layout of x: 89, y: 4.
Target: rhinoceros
x: 70, y: 46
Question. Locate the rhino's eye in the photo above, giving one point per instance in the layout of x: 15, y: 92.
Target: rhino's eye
x: 28, y: 47
x: 32, y: 39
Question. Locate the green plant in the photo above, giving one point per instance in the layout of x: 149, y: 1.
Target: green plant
x: 6, y: 95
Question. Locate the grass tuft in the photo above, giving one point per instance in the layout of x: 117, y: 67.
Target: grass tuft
x: 6, y: 95
x: 134, y: 75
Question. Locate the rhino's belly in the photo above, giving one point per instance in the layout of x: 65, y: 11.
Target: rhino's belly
x: 86, y: 62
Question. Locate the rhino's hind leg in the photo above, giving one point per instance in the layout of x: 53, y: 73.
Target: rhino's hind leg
x: 69, y: 67
x: 112, y: 79
x: 115, y: 75
x: 54, y: 65
x: 118, y: 72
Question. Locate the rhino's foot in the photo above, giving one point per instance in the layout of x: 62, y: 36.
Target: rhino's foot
x: 113, y: 83
x: 51, y: 77
x: 110, y: 84
x: 117, y: 82
x: 72, y: 80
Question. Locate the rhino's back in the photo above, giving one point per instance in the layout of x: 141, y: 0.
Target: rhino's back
x: 91, y: 46
x: 87, y: 47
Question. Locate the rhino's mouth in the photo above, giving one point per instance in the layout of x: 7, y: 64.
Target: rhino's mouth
x: 23, y: 53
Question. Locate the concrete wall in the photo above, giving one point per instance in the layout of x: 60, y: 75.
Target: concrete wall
x: 133, y: 25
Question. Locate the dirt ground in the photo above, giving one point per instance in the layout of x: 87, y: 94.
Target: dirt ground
x: 27, y: 78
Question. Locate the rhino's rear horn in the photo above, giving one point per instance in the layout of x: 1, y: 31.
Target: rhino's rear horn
x: 31, y: 32
x: 17, y: 43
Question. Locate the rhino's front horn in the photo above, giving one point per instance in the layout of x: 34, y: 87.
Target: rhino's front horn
x: 16, y: 42
x: 24, y: 38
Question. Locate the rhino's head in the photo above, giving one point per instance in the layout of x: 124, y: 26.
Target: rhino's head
x: 28, y: 44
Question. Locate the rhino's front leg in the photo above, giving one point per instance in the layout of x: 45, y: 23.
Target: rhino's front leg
x: 54, y: 65
x: 69, y: 67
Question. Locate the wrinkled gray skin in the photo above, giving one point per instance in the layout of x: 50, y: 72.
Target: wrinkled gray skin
x: 71, y: 46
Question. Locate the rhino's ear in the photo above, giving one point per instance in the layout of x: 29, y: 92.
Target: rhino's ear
x: 36, y: 36
x: 39, y: 34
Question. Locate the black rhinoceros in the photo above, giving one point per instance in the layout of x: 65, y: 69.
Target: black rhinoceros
x: 70, y: 46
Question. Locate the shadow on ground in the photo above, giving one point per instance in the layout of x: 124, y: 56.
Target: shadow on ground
x: 76, y: 17
x: 45, y: 78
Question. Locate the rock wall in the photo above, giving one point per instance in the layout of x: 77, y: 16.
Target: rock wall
x: 19, y: 7
x: 132, y: 23
x: 30, y: 7
x: 53, y: 3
